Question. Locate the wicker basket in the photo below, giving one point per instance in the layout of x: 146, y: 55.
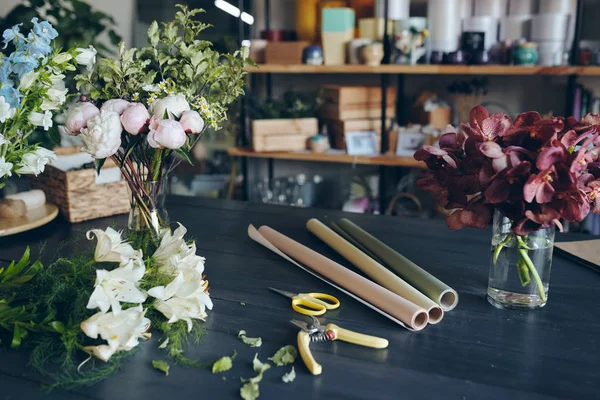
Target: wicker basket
x: 77, y: 194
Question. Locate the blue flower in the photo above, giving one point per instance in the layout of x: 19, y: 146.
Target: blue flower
x: 22, y: 63
x: 13, y: 34
x: 37, y: 46
x: 4, y: 71
x: 11, y: 95
x: 44, y: 30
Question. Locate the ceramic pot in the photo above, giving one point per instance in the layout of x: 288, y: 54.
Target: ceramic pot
x: 525, y: 54
x: 372, y: 54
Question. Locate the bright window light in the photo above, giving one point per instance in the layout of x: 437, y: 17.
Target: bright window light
x: 234, y: 11
x: 228, y: 8
x: 247, y: 18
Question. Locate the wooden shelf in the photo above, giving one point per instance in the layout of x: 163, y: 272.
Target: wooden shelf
x: 386, y: 160
x: 424, y: 70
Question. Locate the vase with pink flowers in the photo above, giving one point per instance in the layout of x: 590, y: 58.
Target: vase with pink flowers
x: 147, y: 108
x: 528, y: 175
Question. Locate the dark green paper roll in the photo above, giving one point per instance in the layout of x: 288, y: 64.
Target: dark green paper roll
x: 428, y: 284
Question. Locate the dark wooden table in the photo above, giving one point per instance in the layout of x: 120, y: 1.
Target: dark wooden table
x: 477, y: 352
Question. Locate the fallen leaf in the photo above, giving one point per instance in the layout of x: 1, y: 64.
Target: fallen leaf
x: 252, y: 342
x: 242, y: 303
x: 164, y: 344
x: 161, y: 366
x: 258, y: 366
x: 289, y: 377
x: 284, y: 356
x: 223, y: 364
x: 249, y: 391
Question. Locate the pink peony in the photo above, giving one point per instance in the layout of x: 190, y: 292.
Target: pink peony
x: 116, y: 105
x: 192, y: 122
x: 166, y: 133
x: 134, y: 118
x: 78, y: 116
x: 174, y: 105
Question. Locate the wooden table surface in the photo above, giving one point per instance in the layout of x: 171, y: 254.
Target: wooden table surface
x: 476, y: 352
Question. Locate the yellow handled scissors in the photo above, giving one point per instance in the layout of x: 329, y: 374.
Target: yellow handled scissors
x: 310, y: 303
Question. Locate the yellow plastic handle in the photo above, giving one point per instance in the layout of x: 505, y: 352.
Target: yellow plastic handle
x: 308, y: 306
x: 331, y: 304
x: 357, y: 338
x: 303, y: 346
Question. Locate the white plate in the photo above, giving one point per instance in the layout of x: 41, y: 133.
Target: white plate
x: 33, y: 219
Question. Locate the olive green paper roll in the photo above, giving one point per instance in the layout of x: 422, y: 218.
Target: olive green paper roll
x: 428, y: 284
x: 374, y: 270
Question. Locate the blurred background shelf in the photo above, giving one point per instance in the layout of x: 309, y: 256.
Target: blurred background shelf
x: 382, y: 160
x: 423, y: 70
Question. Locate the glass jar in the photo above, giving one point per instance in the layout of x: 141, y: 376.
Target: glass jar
x: 519, y: 266
x: 148, y: 211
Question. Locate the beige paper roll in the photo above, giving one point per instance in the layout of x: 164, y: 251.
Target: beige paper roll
x: 33, y: 198
x: 374, y: 270
x: 407, y: 312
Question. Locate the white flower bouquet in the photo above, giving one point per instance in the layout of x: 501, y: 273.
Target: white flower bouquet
x: 32, y: 89
x: 104, y: 304
x: 147, y: 108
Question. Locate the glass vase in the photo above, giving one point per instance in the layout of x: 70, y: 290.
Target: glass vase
x: 148, y: 211
x: 519, y: 266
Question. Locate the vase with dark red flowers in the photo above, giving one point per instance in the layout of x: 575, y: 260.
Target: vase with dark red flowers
x: 530, y: 174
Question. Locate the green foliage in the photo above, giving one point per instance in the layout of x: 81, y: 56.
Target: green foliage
x: 161, y: 366
x: 284, y: 356
x: 223, y: 364
x: 291, y: 105
x: 177, y: 60
x: 252, y: 342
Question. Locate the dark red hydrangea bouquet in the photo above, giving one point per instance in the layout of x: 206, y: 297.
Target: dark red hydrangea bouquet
x: 534, y: 171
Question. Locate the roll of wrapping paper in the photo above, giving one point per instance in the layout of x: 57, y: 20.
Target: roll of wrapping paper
x: 412, y: 315
x: 422, y: 280
x: 374, y: 270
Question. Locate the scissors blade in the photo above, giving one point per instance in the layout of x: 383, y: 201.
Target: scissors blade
x: 284, y: 293
x: 302, y: 325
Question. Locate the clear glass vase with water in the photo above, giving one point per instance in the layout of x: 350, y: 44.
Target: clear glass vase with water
x: 519, y: 266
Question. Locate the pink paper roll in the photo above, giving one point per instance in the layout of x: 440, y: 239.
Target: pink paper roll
x: 407, y: 312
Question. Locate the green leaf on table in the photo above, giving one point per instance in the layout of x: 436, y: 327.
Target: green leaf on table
x: 161, y: 366
x: 289, y: 377
x: 258, y: 366
x: 284, y: 356
x: 252, y: 342
x: 223, y: 364
x: 249, y: 391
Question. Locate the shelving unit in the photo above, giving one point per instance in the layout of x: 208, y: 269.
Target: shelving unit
x: 502, y: 70
x: 386, y: 72
x: 388, y: 160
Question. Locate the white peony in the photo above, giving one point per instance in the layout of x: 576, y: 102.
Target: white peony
x: 192, y: 122
x: 111, y: 248
x: 34, y: 163
x: 102, y: 137
x: 175, y: 104
x: 121, y: 285
x: 86, y: 57
x: 41, y: 119
x: 5, y: 111
x: 5, y: 168
x: 121, y: 331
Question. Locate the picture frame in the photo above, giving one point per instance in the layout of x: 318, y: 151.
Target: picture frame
x: 363, y: 143
x: 409, y: 143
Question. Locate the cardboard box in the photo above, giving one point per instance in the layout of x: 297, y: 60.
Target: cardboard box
x: 356, y: 95
x: 263, y: 127
x: 355, y: 111
x: 280, y: 142
x: 285, y: 53
x: 438, y: 118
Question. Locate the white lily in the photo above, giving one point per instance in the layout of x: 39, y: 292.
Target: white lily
x: 121, y: 331
x: 171, y: 250
x: 185, y: 298
x: 5, y: 111
x: 41, y: 119
x: 116, y: 286
x: 111, y: 248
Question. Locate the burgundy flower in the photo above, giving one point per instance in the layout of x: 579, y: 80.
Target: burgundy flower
x: 482, y: 127
x: 533, y: 132
x: 574, y: 205
x: 435, y: 157
x: 542, y: 186
x: 593, y: 195
x: 508, y: 184
x: 475, y: 216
